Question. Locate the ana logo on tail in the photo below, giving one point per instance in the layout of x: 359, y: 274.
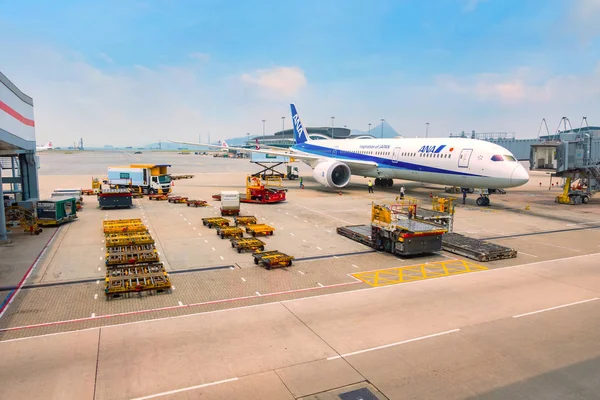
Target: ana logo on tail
x: 300, y: 134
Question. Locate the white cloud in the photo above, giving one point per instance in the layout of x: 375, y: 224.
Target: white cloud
x: 106, y: 58
x: 278, y: 81
x: 199, y: 56
x: 471, y: 5
x: 583, y: 18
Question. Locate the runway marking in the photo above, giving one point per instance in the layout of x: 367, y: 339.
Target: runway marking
x: 258, y: 294
x: 328, y: 231
x: 321, y: 285
x: 93, y: 315
x: 101, y: 258
x: 555, y: 245
x: 243, y: 280
x: 292, y: 234
x: 180, y: 303
x: 193, y: 227
x: 304, y: 240
x: 319, y: 248
x: 147, y: 311
x: 96, y: 296
x: 99, y: 269
x: 555, y: 308
x: 221, y: 257
x: 385, y: 346
x: 301, y: 272
x: 97, y: 282
x: 355, y: 266
x: 527, y: 254
x: 185, y: 389
x: 173, y: 287
x: 306, y: 221
x: 206, y: 241
x: 213, y: 249
x: 327, y: 215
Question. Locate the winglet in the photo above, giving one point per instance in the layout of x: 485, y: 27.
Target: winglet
x: 300, y: 133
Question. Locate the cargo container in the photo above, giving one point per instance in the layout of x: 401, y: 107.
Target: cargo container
x: 230, y: 203
x: 150, y: 178
x: 56, y: 211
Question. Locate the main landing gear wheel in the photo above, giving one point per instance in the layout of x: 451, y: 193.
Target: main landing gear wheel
x: 483, y: 201
x: 383, y: 182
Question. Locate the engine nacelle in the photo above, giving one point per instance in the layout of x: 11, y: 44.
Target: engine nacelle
x: 333, y: 174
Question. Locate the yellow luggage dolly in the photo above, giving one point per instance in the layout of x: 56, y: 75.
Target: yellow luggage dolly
x: 112, y: 222
x: 229, y: 231
x: 245, y: 220
x: 131, y: 258
x: 215, y: 221
x: 177, y: 199
x: 126, y: 280
x: 128, y: 239
x: 272, y: 259
x: 135, y: 270
x: 124, y: 228
x: 130, y: 249
x: 259, y: 229
x: 251, y: 244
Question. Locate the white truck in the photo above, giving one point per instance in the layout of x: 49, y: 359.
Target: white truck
x: 230, y: 203
x: 150, y: 178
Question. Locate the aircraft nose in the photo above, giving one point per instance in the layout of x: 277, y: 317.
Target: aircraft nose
x: 519, y: 176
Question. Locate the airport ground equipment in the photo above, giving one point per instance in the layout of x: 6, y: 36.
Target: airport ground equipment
x: 248, y: 244
x: 573, y: 195
x: 158, y: 197
x: 215, y: 221
x: 184, y: 176
x: 26, y: 218
x: 133, y: 257
x: 229, y: 232
x: 245, y: 220
x: 115, y: 198
x: 259, y: 229
x: 230, y: 203
x: 149, y: 178
x: 123, y: 226
x: 57, y: 211
x: 268, y: 191
x: 88, y: 192
x: 292, y: 172
x: 196, y: 203
x: 272, y: 259
x: 128, y: 239
x: 123, y: 281
x: 394, y: 231
x: 475, y: 249
x: 177, y: 199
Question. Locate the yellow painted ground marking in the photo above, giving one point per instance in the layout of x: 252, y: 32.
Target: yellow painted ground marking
x: 411, y: 273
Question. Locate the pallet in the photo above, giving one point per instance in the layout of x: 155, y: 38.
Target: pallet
x: 229, y: 231
x: 358, y: 233
x: 475, y: 249
x: 245, y: 220
x: 272, y: 259
x: 128, y: 239
x: 215, y: 221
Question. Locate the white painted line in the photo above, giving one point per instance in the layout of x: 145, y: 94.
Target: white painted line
x: 393, y: 344
x: 257, y: 293
x: 321, y: 285
x: 221, y: 257
x: 97, y: 282
x: 99, y: 269
x: 301, y: 272
x: 287, y: 213
x: 189, y: 223
x: 185, y: 389
x: 355, y: 266
x: 317, y: 226
x: 158, y: 252
x: 306, y: 221
x: 96, y: 296
x: 527, y: 254
x: 304, y: 240
x: 555, y: 308
x: 102, y: 240
x: 243, y: 280
x: 199, y: 234
x: 101, y: 258
x: 213, y: 249
x: 335, y: 257
x: 231, y: 268
x: 206, y: 241
x: 93, y: 315
x: 291, y: 234
x: 193, y: 227
x: 173, y: 287
x: 328, y: 231
x: 180, y: 303
x: 319, y: 248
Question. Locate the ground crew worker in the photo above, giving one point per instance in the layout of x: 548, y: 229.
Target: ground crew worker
x: 464, y: 196
x: 301, y: 182
x: 370, y: 186
x: 401, y: 192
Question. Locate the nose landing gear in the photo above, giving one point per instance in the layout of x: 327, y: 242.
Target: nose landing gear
x: 483, y: 200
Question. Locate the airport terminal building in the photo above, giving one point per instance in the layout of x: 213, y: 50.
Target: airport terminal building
x: 286, y: 138
x: 18, y: 162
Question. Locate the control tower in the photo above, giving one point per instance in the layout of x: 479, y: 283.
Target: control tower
x: 18, y: 161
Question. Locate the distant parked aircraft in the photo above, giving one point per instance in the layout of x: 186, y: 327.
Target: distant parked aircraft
x: 44, y: 147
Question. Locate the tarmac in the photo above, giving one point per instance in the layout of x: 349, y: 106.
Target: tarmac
x: 518, y: 328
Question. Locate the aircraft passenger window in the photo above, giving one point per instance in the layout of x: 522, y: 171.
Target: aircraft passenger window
x: 497, y: 158
x: 510, y: 158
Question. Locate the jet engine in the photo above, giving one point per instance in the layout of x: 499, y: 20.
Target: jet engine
x: 333, y: 174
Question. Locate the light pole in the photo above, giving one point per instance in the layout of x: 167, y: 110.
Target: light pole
x: 263, y: 121
x: 369, y: 128
x: 283, y: 125
x: 248, y: 140
x: 426, y: 129
x: 332, y: 131
x: 382, y: 121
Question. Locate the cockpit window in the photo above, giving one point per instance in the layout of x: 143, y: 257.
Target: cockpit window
x: 497, y: 158
x: 509, y: 158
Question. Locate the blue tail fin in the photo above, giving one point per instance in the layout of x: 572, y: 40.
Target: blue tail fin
x: 300, y: 133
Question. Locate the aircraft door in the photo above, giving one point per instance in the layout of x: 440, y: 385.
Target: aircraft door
x: 396, y: 155
x: 463, y: 159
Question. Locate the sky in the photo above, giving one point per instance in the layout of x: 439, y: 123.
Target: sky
x: 132, y: 72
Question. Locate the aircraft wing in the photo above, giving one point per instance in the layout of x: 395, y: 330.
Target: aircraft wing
x: 286, y: 153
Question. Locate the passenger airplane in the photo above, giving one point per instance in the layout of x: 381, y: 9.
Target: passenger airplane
x: 465, y: 163
x: 44, y: 147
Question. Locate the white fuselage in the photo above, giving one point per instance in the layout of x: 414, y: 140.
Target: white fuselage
x: 459, y: 162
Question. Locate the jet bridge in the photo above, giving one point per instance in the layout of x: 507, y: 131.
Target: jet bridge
x: 18, y: 162
x: 576, y: 159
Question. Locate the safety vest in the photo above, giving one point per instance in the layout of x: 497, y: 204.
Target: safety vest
x: 370, y: 183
